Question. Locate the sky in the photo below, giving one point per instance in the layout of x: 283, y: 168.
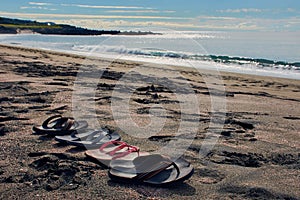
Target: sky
x: 206, y: 15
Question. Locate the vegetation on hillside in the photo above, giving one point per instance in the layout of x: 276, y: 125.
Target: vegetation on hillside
x: 14, y: 26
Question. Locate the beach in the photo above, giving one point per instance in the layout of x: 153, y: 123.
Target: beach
x: 256, y: 155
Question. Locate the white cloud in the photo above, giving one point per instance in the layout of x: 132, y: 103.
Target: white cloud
x: 81, y: 16
x: 123, y: 24
x: 36, y: 7
x: 140, y: 11
x: 215, y: 18
x: 255, y: 10
x: 242, y: 10
x: 104, y: 7
x: 40, y: 3
x: 291, y: 10
x: 201, y: 22
x: 90, y: 6
x: 240, y: 24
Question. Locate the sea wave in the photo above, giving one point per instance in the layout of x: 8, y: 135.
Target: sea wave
x: 159, y: 53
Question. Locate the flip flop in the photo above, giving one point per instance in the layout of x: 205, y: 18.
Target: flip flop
x: 92, y: 139
x: 75, y: 136
x: 58, y: 125
x: 153, y: 169
x: 115, y: 150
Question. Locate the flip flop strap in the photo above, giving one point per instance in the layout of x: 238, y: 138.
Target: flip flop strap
x: 63, y: 123
x: 130, y: 150
x: 111, y: 143
x: 121, y: 145
x: 156, y: 169
x: 91, y: 137
x: 68, y: 124
x: 100, y: 137
x: 47, y: 121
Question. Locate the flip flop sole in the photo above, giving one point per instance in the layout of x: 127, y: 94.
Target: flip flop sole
x: 165, y: 177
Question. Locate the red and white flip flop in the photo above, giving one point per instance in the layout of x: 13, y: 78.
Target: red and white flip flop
x: 115, y: 150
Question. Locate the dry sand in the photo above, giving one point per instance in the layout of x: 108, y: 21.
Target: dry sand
x: 256, y: 156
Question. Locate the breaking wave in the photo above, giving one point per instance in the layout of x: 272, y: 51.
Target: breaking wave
x: 158, y: 53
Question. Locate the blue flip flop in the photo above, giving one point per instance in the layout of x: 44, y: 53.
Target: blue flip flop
x: 91, y: 139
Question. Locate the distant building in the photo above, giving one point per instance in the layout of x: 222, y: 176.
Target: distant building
x: 50, y: 23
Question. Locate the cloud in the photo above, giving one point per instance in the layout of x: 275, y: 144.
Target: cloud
x: 259, y: 24
x: 36, y: 7
x: 104, y: 7
x: 81, y: 16
x: 255, y: 10
x: 123, y: 24
x: 215, y: 18
x: 140, y: 11
x: 123, y: 9
x: 88, y: 6
x: 228, y: 24
x: 40, y: 3
x: 141, y: 21
x: 242, y: 10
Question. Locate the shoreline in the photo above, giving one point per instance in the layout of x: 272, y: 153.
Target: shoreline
x: 256, y: 155
x: 213, y: 71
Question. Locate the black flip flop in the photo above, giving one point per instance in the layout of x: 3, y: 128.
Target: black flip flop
x: 90, y: 140
x: 152, y: 169
x: 58, y: 125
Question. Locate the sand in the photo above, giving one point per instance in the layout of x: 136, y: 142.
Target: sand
x: 256, y: 154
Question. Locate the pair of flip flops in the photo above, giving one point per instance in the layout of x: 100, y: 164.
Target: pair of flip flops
x: 66, y: 130
x: 128, y: 164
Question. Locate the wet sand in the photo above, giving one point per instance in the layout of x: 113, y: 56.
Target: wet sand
x: 256, y: 155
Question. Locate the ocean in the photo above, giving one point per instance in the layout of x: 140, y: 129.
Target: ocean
x: 275, y: 54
